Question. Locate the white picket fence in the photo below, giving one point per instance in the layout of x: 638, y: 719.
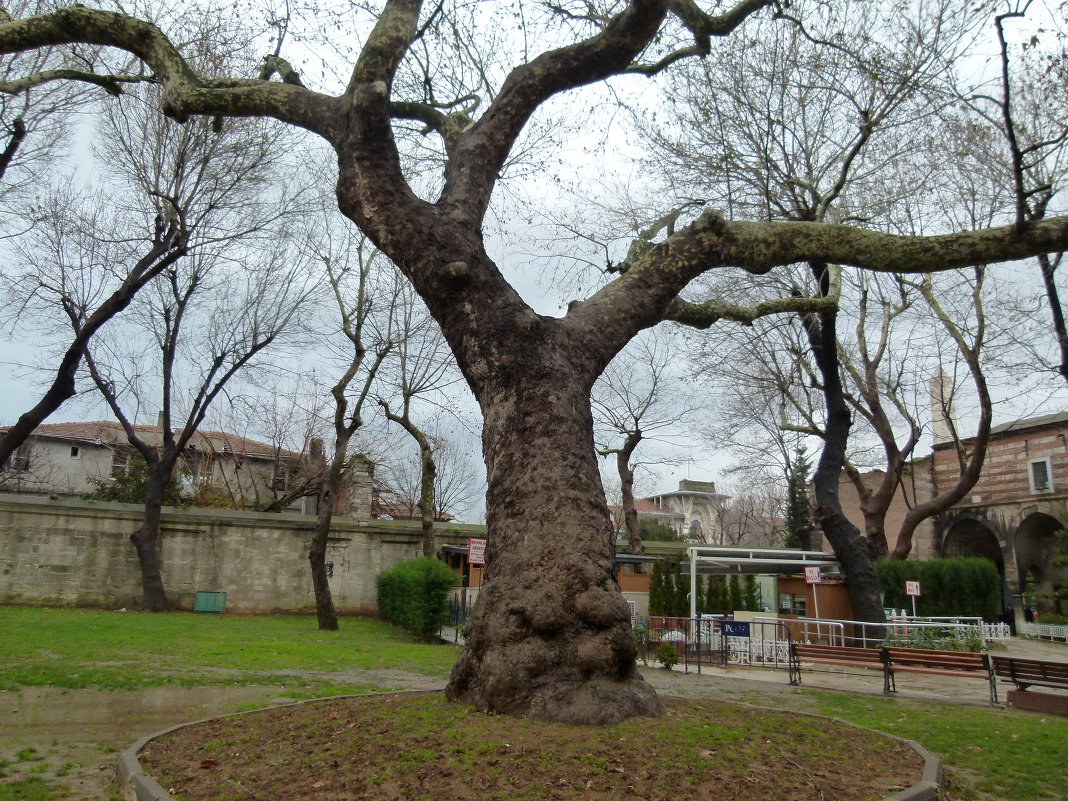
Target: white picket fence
x: 1045, y: 631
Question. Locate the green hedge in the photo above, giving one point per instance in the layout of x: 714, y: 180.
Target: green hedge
x: 415, y: 595
x: 968, y: 587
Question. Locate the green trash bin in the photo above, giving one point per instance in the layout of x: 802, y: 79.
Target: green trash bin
x: 209, y: 602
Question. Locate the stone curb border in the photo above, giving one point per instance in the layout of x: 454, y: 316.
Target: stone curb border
x: 145, y: 788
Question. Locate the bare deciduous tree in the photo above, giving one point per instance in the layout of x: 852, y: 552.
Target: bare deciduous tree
x: 421, y: 366
x: 637, y: 398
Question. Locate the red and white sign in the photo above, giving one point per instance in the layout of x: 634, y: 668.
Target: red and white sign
x: 812, y: 575
x: 912, y: 588
x: 476, y: 550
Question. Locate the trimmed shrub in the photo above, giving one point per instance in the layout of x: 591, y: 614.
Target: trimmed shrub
x: 667, y: 655
x: 966, y: 587
x: 415, y: 595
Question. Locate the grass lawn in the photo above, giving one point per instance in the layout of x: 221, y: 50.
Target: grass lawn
x: 1006, y: 753
x: 64, y: 648
x: 991, y: 753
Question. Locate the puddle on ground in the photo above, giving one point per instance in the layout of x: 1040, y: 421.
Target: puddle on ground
x: 114, y: 717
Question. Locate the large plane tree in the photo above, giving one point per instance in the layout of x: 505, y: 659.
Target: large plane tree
x: 550, y: 636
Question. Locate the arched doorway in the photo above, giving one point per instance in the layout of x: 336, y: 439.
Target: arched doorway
x: 1042, y: 559
x: 969, y: 536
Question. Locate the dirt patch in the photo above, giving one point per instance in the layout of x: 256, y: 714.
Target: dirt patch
x: 418, y: 746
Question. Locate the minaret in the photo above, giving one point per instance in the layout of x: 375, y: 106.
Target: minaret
x: 942, y: 420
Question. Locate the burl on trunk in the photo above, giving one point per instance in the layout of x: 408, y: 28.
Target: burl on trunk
x: 550, y: 637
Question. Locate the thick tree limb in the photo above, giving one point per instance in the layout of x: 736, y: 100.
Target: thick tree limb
x: 483, y: 149
x: 703, y: 26
x: 395, y: 30
x: 185, y: 93
x: 757, y: 247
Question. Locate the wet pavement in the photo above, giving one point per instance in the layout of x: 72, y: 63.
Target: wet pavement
x: 72, y: 737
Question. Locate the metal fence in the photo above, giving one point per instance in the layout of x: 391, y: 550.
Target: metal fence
x: 712, y: 640
x: 959, y: 633
x: 1045, y: 631
x: 765, y: 641
x: 457, y: 617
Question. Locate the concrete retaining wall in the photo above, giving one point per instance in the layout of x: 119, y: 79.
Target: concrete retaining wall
x: 77, y: 553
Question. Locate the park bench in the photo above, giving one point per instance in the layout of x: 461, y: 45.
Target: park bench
x: 1026, y: 673
x: 891, y: 660
x: 840, y: 655
x: 935, y: 663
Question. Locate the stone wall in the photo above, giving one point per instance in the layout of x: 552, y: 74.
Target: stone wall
x: 77, y: 553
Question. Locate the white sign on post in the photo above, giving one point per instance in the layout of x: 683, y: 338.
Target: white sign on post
x: 476, y: 551
x: 912, y: 589
x: 813, y: 577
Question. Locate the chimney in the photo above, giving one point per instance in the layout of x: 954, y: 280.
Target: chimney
x: 942, y: 422
x: 159, y: 421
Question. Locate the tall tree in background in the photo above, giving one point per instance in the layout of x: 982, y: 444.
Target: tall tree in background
x: 1030, y: 113
x: 212, y: 312
x: 550, y: 636
x: 357, y: 286
x: 422, y: 368
x: 798, y: 506
x: 91, y: 279
x: 637, y: 398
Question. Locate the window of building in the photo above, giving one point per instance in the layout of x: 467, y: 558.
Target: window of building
x: 279, y: 478
x: 75, y: 452
x: 1040, y: 475
x: 695, y: 529
x: 119, y: 462
x: 792, y: 604
x: 20, y: 459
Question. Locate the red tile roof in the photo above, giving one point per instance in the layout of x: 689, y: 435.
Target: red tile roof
x: 98, y: 430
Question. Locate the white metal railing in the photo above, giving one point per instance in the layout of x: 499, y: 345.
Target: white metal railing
x: 960, y: 627
x: 815, y: 627
x: 901, y: 626
x: 1045, y: 631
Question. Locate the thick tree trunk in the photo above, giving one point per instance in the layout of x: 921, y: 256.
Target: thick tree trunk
x: 875, y: 532
x: 850, y: 547
x: 550, y: 636
x: 146, y: 541
x: 428, y: 473
x: 324, y: 600
x: 626, y: 485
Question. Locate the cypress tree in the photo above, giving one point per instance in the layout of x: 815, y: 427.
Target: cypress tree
x: 798, y: 504
x: 656, y: 589
x: 682, y: 594
x: 717, y: 594
x: 734, y: 597
x: 751, y: 595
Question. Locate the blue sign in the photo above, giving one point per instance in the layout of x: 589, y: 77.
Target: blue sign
x: 734, y: 628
